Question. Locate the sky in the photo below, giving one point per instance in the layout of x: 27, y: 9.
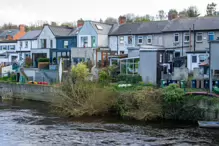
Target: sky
x: 30, y: 11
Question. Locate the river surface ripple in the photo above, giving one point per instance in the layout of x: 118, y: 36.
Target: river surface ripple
x: 29, y: 127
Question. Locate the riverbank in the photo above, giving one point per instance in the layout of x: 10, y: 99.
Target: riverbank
x: 30, y: 123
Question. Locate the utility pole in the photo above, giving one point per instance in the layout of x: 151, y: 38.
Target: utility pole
x: 194, y: 36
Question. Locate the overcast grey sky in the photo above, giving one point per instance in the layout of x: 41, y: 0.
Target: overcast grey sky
x: 26, y: 11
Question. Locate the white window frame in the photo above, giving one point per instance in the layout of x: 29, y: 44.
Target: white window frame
x: 66, y: 46
x: 140, y: 38
x: 149, y: 37
x: 26, y: 44
x: 21, y: 44
x: 121, y: 39
x: 185, y: 35
x: 198, y: 33
x: 132, y: 39
x: 176, y: 34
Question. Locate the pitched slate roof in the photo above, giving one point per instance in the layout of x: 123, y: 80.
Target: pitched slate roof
x: 139, y: 28
x: 31, y: 35
x: 75, y: 31
x: 105, y: 28
x: 201, y: 23
x: 11, y: 32
x: 60, y: 30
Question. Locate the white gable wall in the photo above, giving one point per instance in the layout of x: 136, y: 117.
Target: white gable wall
x: 48, y: 35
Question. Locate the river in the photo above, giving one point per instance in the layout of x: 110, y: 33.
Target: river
x: 25, y: 123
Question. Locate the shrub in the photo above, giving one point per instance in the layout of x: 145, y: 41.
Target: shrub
x: 104, y: 77
x: 145, y: 104
x: 80, y: 71
x: 83, y: 98
x: 28, y: 62
x: 43, y: 60
x: 129, y: 79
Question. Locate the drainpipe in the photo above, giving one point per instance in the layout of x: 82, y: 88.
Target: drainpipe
x: 182, y: 43
x: 194, y: 36
x: 117, y: 45
x: 210, y: 72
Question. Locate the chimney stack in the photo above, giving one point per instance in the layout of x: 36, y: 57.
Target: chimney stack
x: 80, y: 23
x: 122, y: 20
x: 22, y: 28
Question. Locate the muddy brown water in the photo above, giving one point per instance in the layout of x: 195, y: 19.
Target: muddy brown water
x: 25, y: 123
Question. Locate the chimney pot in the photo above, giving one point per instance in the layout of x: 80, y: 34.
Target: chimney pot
x: 80, y: 23
x: 122, y: 20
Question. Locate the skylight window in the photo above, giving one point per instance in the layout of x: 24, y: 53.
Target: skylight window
x: 99, y: 27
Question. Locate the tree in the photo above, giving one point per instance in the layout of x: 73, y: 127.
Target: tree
x: 192, y: 11
x: 111, y: 20
x: 211, y: 9
x: 130, y: 17
x: 68, y: 24
x: 161, y: 15
x: 183, y: 14
x: 172, y: 14
x: 141, y: 19
x: 101, y: 21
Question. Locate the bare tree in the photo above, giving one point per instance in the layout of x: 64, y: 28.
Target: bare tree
x: 193, y: 11
x: 161, y: 15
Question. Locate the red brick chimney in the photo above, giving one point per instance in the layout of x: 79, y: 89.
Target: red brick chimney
x: 22, y: 28
x: 80, y: 23
x: 122, y: 20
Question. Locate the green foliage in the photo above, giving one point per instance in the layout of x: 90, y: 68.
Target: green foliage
x: 43, y: 60
x: 104, y: 76
x: 129, y: 79
x: 145, y: 104
x: 173, y: 93
x: 80, y: 71
x: 83, y: 98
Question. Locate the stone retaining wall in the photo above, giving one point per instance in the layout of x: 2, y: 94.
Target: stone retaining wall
x: 26, y: 91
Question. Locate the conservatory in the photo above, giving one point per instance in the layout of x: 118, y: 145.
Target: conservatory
x: 129, y: 66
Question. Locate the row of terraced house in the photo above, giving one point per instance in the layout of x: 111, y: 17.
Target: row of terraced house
x: 179, y: 38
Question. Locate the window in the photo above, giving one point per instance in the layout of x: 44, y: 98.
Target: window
x: 12, y: 47
x: 65, y: 44
x: 176, y: 37
x: 194, y: 59
x: 199, y: 37
x: 149, y: 39
x: 26, y: 44
x: 121, y: 39
x: 21, y: 44
x: 122, y: 52
x: 177, y: 54
x: 51, y: 44
x: 211, y: 36
x: 130, y: 40
x: 43, y: 43
x: 4, y: 47
x: 161, y: 58
x: 140, y: 39
x: 99, y: 27
x: 0, y: 47
x: 84, y: 42
x: 93, y: 39
x: 186, y: 37
x: 78, y: 60
x: 202, y: 58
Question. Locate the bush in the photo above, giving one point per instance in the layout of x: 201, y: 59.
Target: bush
x: 43, y: 60
x: 104, y: 77
x: 129, y: 79
x: 80, y: 72
x: 28, y: 62
x: 144, y: 105
x: 83, y: 98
